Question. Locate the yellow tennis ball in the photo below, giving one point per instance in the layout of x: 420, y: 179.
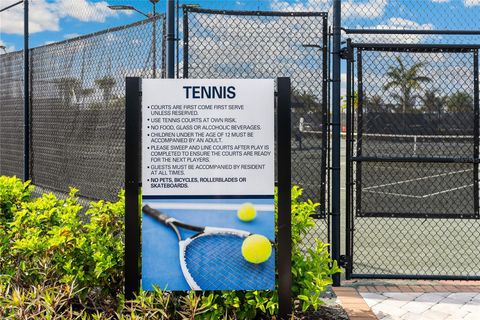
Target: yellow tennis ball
x: 246, y: 212
x: 256, y: 248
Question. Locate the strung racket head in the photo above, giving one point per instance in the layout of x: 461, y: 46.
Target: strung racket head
x: 214, y: 261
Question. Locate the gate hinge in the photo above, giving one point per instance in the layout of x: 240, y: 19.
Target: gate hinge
x: 344, y: 261
x: 346, y: 53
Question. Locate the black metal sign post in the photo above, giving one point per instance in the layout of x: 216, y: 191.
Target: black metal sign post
x: 284, y: 236
x: 133, y: 184
x: 26, y: 93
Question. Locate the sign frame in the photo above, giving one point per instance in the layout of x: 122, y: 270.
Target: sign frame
x: 133, y: 120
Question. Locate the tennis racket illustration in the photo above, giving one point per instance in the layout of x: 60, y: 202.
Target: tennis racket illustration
x: 211, y: 259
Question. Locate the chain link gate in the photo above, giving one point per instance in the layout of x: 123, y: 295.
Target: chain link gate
x: 260, y: 44
x: 412, y: 150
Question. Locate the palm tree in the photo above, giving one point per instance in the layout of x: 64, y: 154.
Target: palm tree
x: 460, y: 102
x: 433, y: 103
x: 374, y: 103
x: 406, y: 79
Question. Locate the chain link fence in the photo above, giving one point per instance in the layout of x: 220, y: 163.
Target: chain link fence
x: 11, y: 114
x: 412, y: 21
x: 77, y: 93
x: 77, y: 107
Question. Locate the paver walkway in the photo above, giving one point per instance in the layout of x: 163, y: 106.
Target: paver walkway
x: 419, y: 300
x: 417, y: 305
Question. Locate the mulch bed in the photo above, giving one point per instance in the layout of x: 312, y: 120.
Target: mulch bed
x: 330, y: 312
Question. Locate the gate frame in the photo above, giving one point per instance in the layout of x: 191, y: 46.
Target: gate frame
x: 325, y: 210
x: 348, y: 53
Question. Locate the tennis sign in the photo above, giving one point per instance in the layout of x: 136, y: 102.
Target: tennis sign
x: 207, y: 137
x: 203, y: 151
x: 207, y: 184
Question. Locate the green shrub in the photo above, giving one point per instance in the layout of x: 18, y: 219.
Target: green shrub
x: 48, y: 249
x: 311, y: 268
x: 105, y: 235
x: 12, y: 193
x: 50, y: 242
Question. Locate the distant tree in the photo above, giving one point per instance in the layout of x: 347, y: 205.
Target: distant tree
x: 460, y: 102
x: 370, y: 104
x: 355, y: 102
x: 375, y: 103
x: 106, y: 84
x: 305, y: 100
x: 432, y: 102
x: 406, y: 80
x: 308, y: 112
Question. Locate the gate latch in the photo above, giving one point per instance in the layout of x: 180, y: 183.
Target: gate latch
x: 346, y: 53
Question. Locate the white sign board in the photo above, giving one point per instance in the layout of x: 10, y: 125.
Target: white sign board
x: 208, y: 167
x: 207, y: 137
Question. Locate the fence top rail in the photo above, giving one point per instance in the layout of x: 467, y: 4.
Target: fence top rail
x: 255, y: 13
x: 10, y: 54
x: 416, y: 47
x: 159, y: 16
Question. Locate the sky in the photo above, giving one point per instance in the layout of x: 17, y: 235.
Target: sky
x: 57, y: 20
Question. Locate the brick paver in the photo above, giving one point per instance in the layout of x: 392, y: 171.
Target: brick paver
x: 354, y: 304
x: 403, y: 300
x: 424, y: 305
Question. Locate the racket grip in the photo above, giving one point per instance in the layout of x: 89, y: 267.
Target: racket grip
x: 154, y: 213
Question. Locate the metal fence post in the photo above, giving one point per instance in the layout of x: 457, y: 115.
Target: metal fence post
x: 284, y: 236
x: 26, y: 94
x: 336, y: 61
x: 154, y: 40
x: 348, y: 167
x: 476, y: 130
x: 171, y: 39
x: 132, y: 186
x: 185, y: 43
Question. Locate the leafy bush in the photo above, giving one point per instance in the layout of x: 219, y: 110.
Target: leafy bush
x: 12, y: 193
x: 49, y: 242
x: 56, y: 260
x: 311, y: 268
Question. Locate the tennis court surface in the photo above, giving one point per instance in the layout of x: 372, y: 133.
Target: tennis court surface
x: 416, y: 176
x: 416, y: 189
